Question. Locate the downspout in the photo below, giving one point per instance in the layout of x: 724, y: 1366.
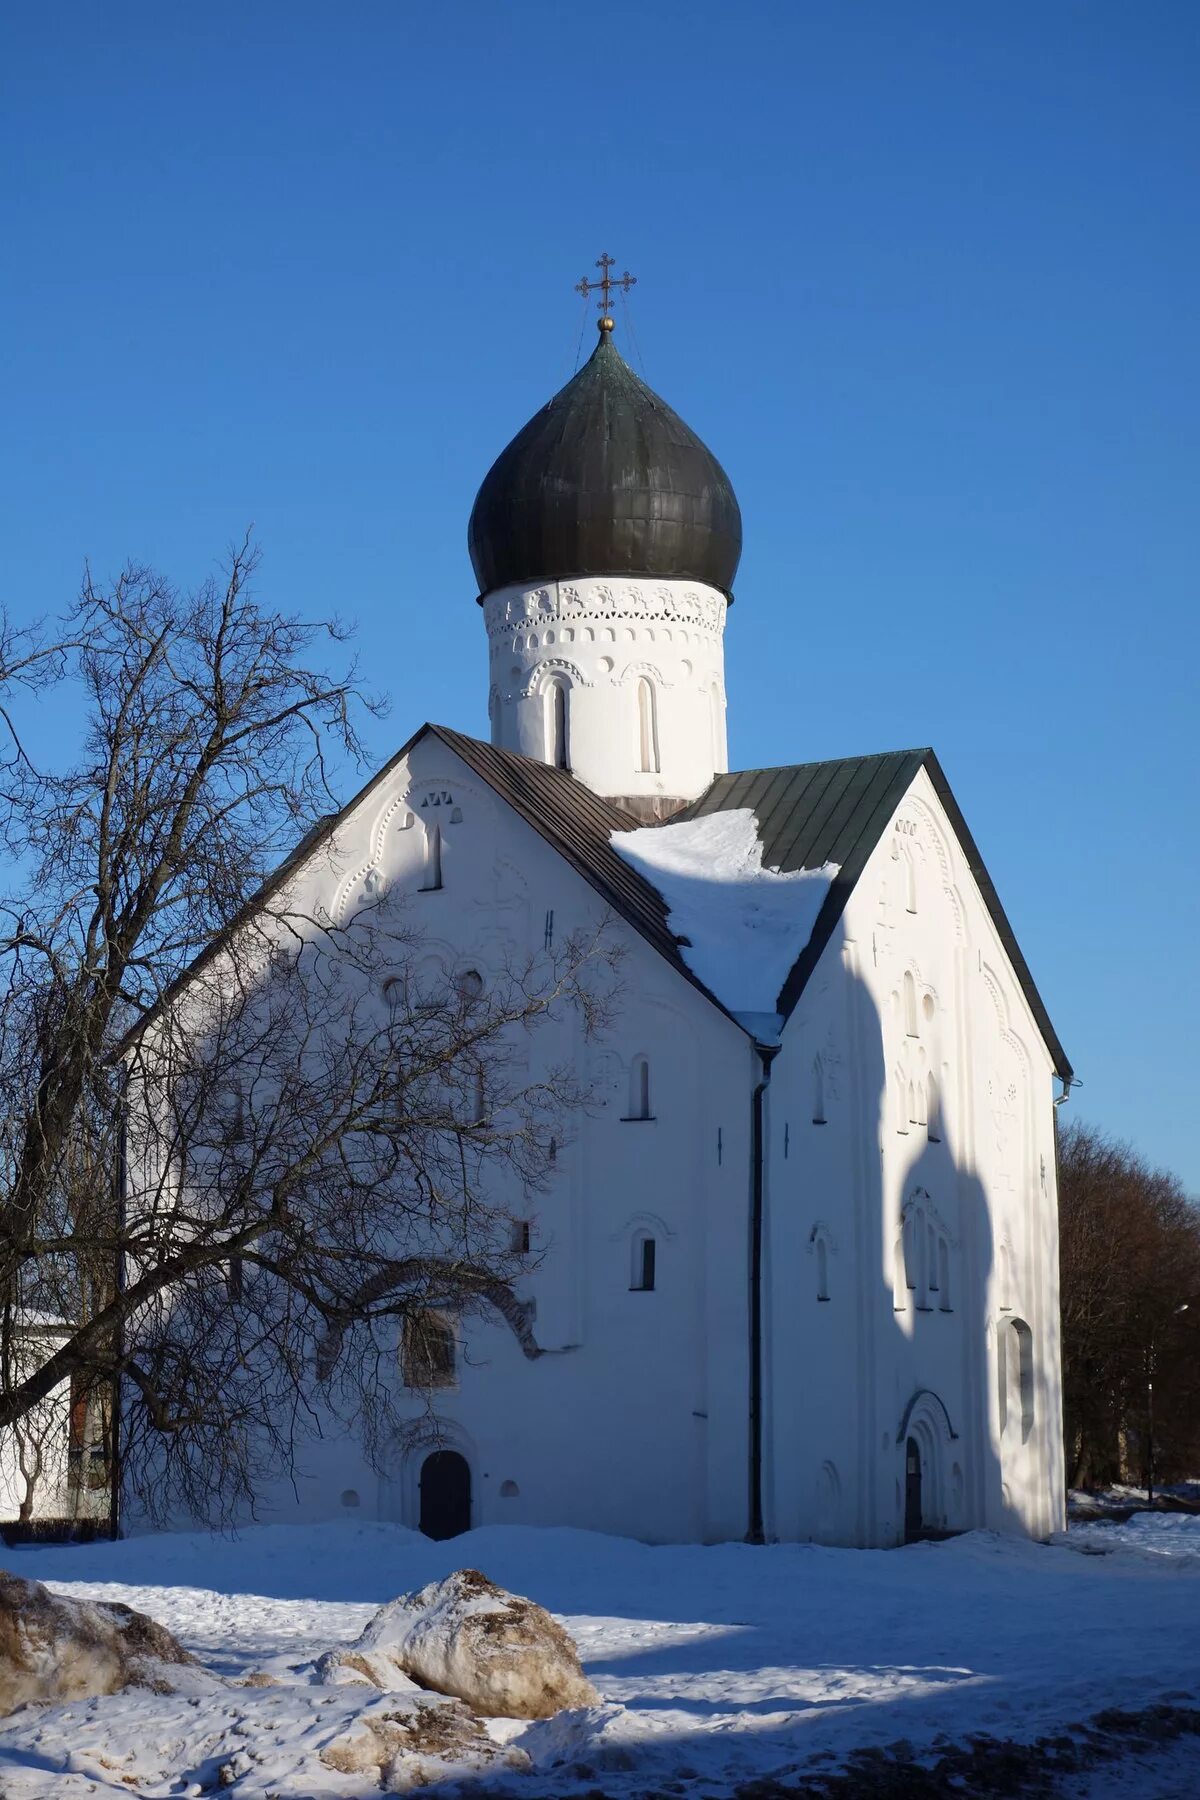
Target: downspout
x: 767, y: 1054
x: 122, y: 1177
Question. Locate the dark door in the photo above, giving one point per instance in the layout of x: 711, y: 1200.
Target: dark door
x: 445, y: 1494
x: 912, y: 1491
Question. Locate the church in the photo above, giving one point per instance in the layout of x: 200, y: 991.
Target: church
x: 796, y: 1275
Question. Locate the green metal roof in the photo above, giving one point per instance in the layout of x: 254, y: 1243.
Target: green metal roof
x: 808, y: 814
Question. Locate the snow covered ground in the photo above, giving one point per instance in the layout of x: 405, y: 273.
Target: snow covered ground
x: 715, y: 1664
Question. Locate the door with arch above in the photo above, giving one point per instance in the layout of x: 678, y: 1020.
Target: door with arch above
x: 445, y: 1490
x: 912, y: 1491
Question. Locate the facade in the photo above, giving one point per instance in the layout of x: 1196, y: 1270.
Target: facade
x: 796, y: 1273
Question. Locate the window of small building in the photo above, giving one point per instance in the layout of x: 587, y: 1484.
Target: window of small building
x: 428, y: 1350
x: 519, y: 1238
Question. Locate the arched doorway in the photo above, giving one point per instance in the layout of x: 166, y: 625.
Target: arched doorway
x: 912, y: 1491
x: 445, y: 1487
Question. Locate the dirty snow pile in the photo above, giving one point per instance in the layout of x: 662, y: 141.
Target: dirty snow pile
x: 504, y: 1656
x: 745, y: 924
x: 714, y: 1666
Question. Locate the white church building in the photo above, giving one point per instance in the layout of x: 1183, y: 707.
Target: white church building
x: 796, y: 1274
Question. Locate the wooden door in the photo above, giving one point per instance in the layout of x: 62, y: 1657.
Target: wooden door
x: 445, y: 1494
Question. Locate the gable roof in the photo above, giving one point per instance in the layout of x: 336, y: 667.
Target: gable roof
x: 814, y: 813
x: 808, y: 814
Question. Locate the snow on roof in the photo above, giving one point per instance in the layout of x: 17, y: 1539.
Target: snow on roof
x: 744, y: 925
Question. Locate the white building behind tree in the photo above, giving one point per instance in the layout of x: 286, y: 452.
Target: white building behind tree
x: 795, y: 1273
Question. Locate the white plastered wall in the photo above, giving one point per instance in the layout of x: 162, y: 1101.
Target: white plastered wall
x: 634, y: 1420
x: 598, y: 640
x: 852, y: 1376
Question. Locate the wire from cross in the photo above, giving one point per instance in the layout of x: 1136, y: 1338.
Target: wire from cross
x: 604, y: 287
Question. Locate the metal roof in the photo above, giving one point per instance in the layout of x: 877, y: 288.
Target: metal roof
x: 808, y: 814
x: 605, y: 480
x: 813, y: 813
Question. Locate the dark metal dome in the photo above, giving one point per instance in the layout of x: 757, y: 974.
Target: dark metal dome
x: 605, y: 480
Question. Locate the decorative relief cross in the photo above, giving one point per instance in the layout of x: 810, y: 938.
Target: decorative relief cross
x: 604, y: 287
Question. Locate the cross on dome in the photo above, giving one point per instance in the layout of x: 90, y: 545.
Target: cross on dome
x: 604, y: 287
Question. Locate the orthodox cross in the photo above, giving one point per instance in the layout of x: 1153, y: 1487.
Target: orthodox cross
x: 604, y: 287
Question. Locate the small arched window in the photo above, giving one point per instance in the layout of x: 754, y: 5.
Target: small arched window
x: 427, y: 1350
x: 647, y: 727
x: 818, y: 1081
x: 912, y: 1103
x: 1017, y: 1383
x: 899, y: 1275
x: 431, y: 874
x: 639, y: 1090
x: 901, y: 1107
x: 910, y: 882
x: 944, y: 1275
x: 822, y: 1269
x: 557, y: 747
x: 469, y: 984
x: 645, y: 1263
x: 933, y: 1110
x: 910, y: 1004
x: 478, y: 1099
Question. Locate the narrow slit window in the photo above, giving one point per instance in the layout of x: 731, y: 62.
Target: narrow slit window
x: 910, y: 1004
x: 556, y: 724
x: 944, y: 1275
x: 431, y: 876
x: 645, y: 1264
x: 822, y: 1269
x: 519, y: 1244
x: 639, y: 1089
x: 647, y: 728
x: 818, y: 1076
x: 899, y: 1275
x: 933, y: 1111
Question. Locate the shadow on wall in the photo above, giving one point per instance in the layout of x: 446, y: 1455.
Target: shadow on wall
x: 947, y: 1381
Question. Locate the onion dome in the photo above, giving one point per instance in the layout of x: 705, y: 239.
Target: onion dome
x: 605, y: 480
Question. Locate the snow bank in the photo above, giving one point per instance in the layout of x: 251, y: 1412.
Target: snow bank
x: 717, y: 1666
x: 745, y: 924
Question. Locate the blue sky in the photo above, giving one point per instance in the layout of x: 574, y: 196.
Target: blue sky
x: 925, y: 277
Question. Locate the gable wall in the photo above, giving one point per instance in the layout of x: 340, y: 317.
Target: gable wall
x: 635, y: 1418
x: 842, y: 1389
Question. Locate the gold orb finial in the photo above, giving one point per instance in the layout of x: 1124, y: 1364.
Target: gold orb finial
x: 606, y: 324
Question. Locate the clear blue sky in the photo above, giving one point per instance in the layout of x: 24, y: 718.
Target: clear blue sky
x: 924, y: 276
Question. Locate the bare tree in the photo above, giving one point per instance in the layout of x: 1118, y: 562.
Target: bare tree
x: 232, y: 1188
x: 1130, y: 1284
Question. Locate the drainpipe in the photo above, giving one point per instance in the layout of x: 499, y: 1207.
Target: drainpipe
x: 121, y: 1185
x: 767, y: 1054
